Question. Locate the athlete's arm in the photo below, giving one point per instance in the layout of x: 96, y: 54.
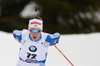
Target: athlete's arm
x: 53, y: 39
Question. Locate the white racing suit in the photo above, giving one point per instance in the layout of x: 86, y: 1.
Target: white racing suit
x: 34, y: 53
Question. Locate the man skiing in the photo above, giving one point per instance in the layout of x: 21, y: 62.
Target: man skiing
x: 33, y: 51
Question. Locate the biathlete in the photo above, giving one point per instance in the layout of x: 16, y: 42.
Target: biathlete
x: 34, y: 43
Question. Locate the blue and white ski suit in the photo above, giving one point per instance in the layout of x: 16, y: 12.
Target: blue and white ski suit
x: 34, y: 53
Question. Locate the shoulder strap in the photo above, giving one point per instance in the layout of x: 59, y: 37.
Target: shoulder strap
x: 25, y: 38
x: 43, y: 41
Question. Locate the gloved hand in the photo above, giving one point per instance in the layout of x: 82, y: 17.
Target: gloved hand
x: 17, y: 35
x: 17, y: 32
x: 55, y: 36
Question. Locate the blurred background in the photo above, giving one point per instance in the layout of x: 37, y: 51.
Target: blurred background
x: 63, y: 16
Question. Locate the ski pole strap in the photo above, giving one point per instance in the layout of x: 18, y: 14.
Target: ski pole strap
x: 63, y: 55
x: 30, y: 61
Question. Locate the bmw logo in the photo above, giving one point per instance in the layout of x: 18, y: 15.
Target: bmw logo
x: 32, y: 48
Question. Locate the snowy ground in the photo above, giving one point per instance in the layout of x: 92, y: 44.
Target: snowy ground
x: 80, y: 49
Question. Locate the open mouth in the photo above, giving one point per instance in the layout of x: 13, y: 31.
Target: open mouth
x: 34, y: 37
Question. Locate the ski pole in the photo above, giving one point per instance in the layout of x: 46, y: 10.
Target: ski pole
x: 63, y: 55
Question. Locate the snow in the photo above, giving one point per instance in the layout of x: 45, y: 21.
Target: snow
x: 80, y: 49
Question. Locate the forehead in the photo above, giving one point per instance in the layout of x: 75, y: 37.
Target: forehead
x: 34, y: 28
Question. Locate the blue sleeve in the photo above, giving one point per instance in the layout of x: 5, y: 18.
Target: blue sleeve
x: 52, y: 39
x: 48, y: 39
x: 17, y: 35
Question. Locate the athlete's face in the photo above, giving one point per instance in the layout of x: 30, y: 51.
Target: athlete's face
x: 35, y: 33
